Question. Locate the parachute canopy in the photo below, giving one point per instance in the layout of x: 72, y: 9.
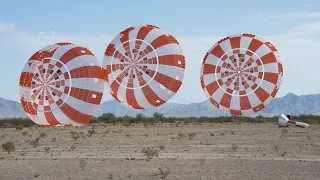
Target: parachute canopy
x: 241, y: 74
x: 145, y: 67
x: 61, y: 84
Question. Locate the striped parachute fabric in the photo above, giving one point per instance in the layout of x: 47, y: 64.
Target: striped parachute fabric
x: 145, y: 67
x: 241, y: 74
x: 61, y: 85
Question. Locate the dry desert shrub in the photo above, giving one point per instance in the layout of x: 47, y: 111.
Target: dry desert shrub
x: 24, y: 133
x: 234, y: 147
x: 35, y: 142
x: 83, y: 163
x: 8, y: 147
x: 151, y: 152
x: 181, y: 135
x: 43, y: 134
x: 75, y: 135
x: 91, y: 132
x: 164, y: 172
x: 47, y: 149
x: 191, y: 135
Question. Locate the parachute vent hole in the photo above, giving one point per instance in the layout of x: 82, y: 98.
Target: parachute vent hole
x: 54, y: 94
x: 56, y: 78
x: 58, y: 86
x: 227, y: 72
x: 94, y: 96
x: 59, y: 71
x: 145, y: 66
x: 126, y: 74
x: 177, y: 78
x: 229, y: 65
x: 242, y: 60
x: 134, y: 76
x: 132, y: 50
x: 234, y: 60
x: 251, y: 71
x: 33, y: 82
x: 145, y: 59
x: 147, y: 72
x: 229, y: 79
x: 121, y: 60
x: 126, y: 53
x: 122, y: 68
x: 158, y: 101
x: 39, y: 96
x: 44, y: 70
x: 95, y: 79
x: 46, y: 97
x: 37, y: 74
x: 51, y: 71
x: 140, y: 52
x: 179, y: 62
x: 83, y: 51
x: 249, y: 64
x: 249, y: 78
x: 140, y: 73
x: 34, y: 91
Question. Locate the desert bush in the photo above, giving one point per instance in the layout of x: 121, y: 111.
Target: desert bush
x: 150, y: 152
x: 47, y: 149
x: 181, y: 135
x: 91, y: 132
x: 191, y: 135
x: 74, y: 135
x: 35, y: 143
x: 234, y: 147
x: 24, y: 133
x: 8, y: 147
x: 43, y: 134
x: 164, y: 172
x: 83, y: 163
x: 19, y: 128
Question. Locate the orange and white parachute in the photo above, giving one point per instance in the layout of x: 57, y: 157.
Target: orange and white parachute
x: 61, y: 84
x: 241, y: 74
x: 145, y: 67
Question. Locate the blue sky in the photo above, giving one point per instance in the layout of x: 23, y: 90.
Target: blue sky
x: 292, y: 26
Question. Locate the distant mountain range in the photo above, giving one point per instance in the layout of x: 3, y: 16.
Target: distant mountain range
x: 289, y: 104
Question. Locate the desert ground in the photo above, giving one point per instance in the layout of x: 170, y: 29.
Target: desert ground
x: 214, y: 151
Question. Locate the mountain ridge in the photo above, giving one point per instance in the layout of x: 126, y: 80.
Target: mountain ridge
x: 289, y: 104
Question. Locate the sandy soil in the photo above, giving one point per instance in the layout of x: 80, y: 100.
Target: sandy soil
x: 204, y: 152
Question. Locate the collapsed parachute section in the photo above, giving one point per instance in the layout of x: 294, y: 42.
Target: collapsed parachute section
x: 241, y: 74
x: 61, y: 84
x: 145, y: 67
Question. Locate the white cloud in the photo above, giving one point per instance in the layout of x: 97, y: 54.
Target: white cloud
x: 298, y: 48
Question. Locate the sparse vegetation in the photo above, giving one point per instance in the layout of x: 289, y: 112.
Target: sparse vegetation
x: 151, y: 152
x: 19, y: 128
x: 91, y: 132
x: 35, y: 143
x: 164, y: 172
x: 181, y: 135
x: 191, y: 135
x: 234, y: 147
x: 43, y: 134
x: 47, y: 149
x: 19, y: 123
x: 83, y: 163
x: 75, y: 135
x: 24, y: 133
x: 8, y: 147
